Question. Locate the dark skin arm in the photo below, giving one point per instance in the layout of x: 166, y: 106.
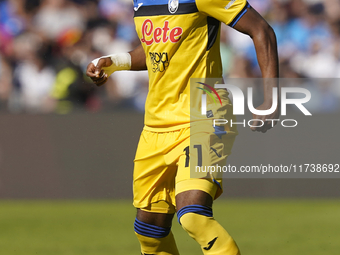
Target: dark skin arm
x: 138, y: 60
x: 98, y: 75
x: 264, y: 40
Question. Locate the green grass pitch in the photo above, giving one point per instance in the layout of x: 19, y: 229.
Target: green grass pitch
x: 260, y: 227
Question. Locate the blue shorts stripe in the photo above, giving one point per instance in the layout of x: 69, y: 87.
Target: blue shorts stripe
x: 219, y: 131
x: 217, y: 183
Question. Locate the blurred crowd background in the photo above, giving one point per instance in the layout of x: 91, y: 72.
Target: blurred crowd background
x: 46, y: 45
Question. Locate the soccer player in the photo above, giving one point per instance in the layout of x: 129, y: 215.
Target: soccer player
x: 180, y: 40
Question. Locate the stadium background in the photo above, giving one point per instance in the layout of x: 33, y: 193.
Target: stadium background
x: 66, y: 147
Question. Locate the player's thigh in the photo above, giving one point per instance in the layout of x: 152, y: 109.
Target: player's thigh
x: 157, y: 219
x: 193, y: 197
x: 155, y: 170
x: 197, y: 154
x: 199, y: 179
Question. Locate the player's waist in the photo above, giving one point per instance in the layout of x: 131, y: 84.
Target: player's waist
x: 203, y: 124
x: 162, y: 128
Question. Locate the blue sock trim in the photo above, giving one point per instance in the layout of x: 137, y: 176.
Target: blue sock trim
x: 198, y: 209
x: 149, y: 230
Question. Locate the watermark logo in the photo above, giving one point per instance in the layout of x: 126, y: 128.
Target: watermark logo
x: 204, y: 111
x: 239, y: 103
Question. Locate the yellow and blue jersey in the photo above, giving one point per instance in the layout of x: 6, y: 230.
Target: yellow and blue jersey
x: 181, y: 40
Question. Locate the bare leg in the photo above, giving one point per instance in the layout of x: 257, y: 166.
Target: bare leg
x: 157, y: 219
x: 193, y: 197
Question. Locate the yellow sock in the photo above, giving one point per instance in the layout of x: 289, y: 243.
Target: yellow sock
x: 155, y: 240
x: 198, y: 222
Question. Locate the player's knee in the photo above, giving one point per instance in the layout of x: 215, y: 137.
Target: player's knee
x: 148, y: 230
x: 199, y: 223
x: 187, y: 218
x: 155, y: 240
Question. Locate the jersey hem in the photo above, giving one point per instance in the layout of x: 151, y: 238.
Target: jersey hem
x: 166, y: 129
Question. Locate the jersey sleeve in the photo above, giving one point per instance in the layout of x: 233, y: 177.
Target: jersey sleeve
x: 228, y: 12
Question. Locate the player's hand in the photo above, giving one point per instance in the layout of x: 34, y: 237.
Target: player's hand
x: 96, y: 73
x: 267, y: 124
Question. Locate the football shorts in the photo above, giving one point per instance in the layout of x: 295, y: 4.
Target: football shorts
x: 170, y: 162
